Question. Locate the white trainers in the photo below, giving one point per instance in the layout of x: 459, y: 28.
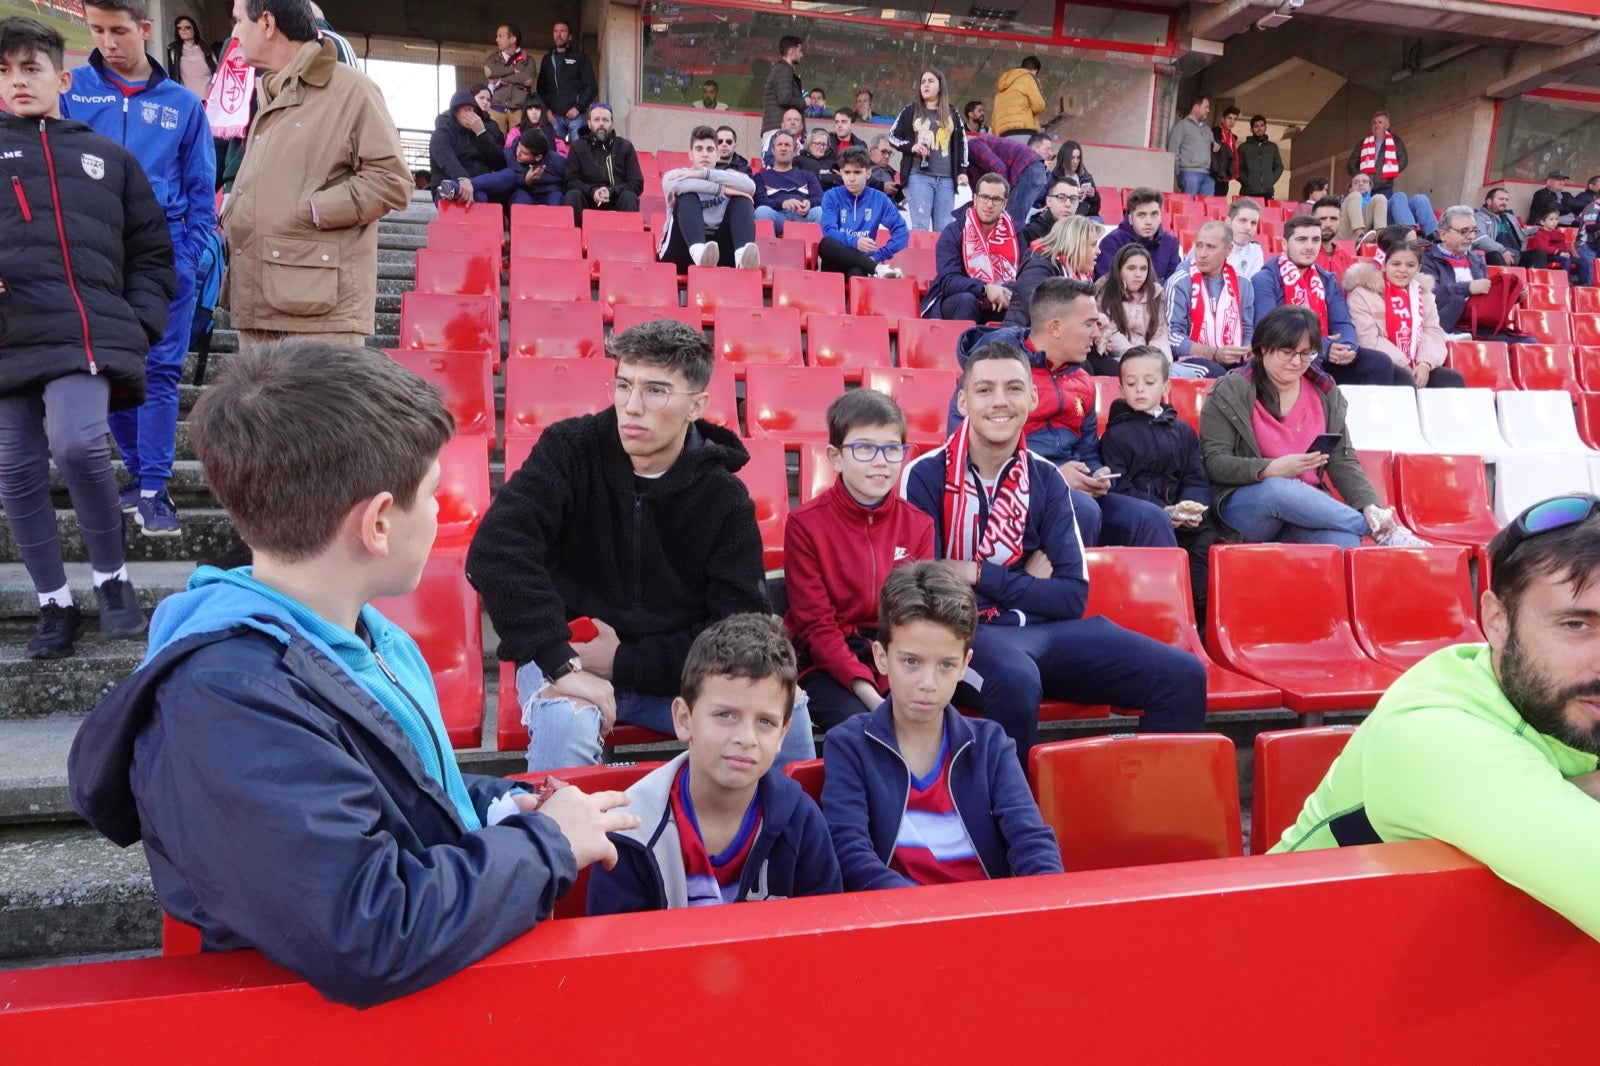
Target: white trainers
x: 705, y: 255
x: 886, y: 271
x: 749, y: 257
x: 1379, y: 519
x: 1398, y: 536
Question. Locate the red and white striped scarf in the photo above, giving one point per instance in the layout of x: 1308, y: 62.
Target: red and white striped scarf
x: 1403, y: 318
x: 1220, y: 325
x: 228, y: 105
x: 1304, y: 288
x: 992, y: 259
x: 999, y: 540
x: 1391, y: 158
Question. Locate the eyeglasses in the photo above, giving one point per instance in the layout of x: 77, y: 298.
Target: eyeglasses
x: 1302, y: 355
x: 986, y: 198
x: 1470, y: 231
x: 1545, y: 517
x: 866, y: 452
x: 654, y: 395
x: 723, y: 140
x: 1062, y: 198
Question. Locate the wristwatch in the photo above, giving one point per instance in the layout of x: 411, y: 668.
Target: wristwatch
x: 572, y: 665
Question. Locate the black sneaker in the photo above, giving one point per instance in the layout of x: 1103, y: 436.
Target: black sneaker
x: 120, y: 615
x: 58, y: 631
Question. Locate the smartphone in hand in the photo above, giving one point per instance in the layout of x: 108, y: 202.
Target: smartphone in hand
x: 1326, y: 443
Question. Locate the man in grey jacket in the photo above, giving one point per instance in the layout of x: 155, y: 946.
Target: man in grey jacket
x: 1500, y: 234
x: 712, y: 211
x: 1191, y: 144
x: 783, y: 90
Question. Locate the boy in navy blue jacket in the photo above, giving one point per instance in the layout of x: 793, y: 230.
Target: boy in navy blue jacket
x: 916, y: 794
x: 719, y: 824
x: 851, y: 215
x: 1157, y: 455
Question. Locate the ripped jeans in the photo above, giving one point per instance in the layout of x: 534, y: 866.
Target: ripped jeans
x: 561, y: 733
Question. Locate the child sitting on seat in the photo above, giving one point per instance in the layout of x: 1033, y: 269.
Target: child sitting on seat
x: 1549, y: 239
x: 915, y: 793
x: 719, y: 823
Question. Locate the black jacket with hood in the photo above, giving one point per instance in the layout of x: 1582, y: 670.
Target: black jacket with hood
x: 612, y: 164
x: 1157, y: 455
x: 456, y: 152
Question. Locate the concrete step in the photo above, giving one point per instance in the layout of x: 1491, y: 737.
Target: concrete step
x: 188, y: 485
x: 66, y: 890
x: 33, y: 769
x: 152, y: 582
x: 207, y: 534
x: 41, y: 689
x: 224, y: 342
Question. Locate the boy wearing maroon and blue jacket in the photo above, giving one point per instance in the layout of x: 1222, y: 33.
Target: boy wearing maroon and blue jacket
x: 915, y: 793
x: 838, y: 548
x: 718, y: 824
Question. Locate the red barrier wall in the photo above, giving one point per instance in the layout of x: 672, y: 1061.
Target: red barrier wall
x: 1395, y: 953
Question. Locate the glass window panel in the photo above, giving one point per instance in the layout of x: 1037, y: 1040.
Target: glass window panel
x: 1535, y: 137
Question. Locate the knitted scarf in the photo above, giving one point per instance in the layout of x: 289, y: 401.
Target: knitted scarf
x: 711, y: 879
x: 1403, y: 318
x: 1303, y: 288
x: 1221, y: 325
x: 992, y: 259
x: 999, y: 540
x: 1391, y: 158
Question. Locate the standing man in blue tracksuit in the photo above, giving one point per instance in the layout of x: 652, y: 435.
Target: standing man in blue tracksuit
x: 124, y: 94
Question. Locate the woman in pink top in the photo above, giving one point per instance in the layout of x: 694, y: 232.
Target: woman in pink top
x: 1256, y: 434
x: 189, y: 58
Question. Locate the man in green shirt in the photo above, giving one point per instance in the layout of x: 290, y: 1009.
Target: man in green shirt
x: 1492, y: 748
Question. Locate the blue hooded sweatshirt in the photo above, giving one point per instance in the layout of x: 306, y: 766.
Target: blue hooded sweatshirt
x: 848, y: 218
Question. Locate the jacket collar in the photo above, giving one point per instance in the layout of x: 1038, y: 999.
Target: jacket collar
x: 706, y: 445
x: 853, y: 510
x: 312, y: 65
x: 158, y: 73
x: 880, y: 726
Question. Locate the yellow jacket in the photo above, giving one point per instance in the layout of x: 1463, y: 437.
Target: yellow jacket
x: 1018, y: 103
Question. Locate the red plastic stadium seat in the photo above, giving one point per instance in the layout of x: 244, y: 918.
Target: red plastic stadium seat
x: 848, y: 341
x: 1546, y: 327
x: 790, y: 402
x: 1106, y: 392
x: 470, y: 216
x: 540, y: 392
x: 1586, y: 327
x: 809, y: 234
x: 180, y: 938
x: 652, y: 204
x: 1147, y: 590
x: 930, y: 343
x: 1188, y: 399
x: 671, y: 160
x: 534, y: 278
x: 441, y: 322
x: 547, y: 242
x: 1545, y: 298
x: 453, y: 237
x: 625, y: 316
x: 754, y: 335
x: 1436, y: 611
x: 1586, y: 361
x: 559, y: 216
x: 808, y: 291
x: 1301, y: 643
x: 779, y: 254
x: 556, y: 329
x: 1485, y: 364
x: 458, y: 273
x: 713, y: 288
x: 1290, y: 764
x: 1139, y: 800
x: 1550, y: 278
x: 722, y: 406
x: 923, y: 396
x: 443, y: 616
x: 808, y: 772
x: 1379, y: 468
x: 918, y: 265
x: 640, y: 284
x: 1585, y: 300
x: 893, y: 298
x: 612, y: 221
x: 766, y: 477
x: 463, y: 493
x: 512, y: 735
x: 920, y: 238
x: 1544, y: 366
x: 619, y: 246
x: 1589, y: 418
x: 1445, y: 498
x: 466, y: 381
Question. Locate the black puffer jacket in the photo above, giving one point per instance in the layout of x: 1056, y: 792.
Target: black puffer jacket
x: 574, y: 533
x: 613, y: 165
x: 86, y: 289
x: 1158, y: 456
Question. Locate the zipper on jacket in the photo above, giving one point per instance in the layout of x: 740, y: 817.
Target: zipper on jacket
x: 438, y: 752
x: 125, y: 100
x: 957, y: 807
x: 638, y: 555
x: 66, y: 256
x: 22, y: 198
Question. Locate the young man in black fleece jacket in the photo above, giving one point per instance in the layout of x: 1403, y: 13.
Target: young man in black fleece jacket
x: 632, y: 518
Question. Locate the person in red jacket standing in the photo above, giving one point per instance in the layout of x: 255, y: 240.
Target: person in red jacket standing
x: 839, y: 547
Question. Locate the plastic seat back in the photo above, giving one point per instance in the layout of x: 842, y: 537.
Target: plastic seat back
x: 1436, y: 611
x: 790, y: 403
x: 1546, y: 327
x: 713, y: 288
x: 808, y: 291
x: 847, y: 341
x: 1522, y: 480
x: 766, y: 478
x: 1289, y: 765
x: 448, y: 323
x: 463, y: 492
x: 1588, y: 415
x: 1460, y: 421
x: 613, y: 221
x: 443, y: 615
x: 930, y: 344
x: 1585, y: 301
x: 1485, y: 364
x: 1188, y: 399
x: 808, y: 772
x: 917, y: 264
x: 893, y: 298
x: 618, y: 246
x: 1139, y: 800
x: 808, y: 235
x: 625, y: 316
x: 1539, y: 422
x: 530, y: 215
x: 540, y: 392
x: 1585, y: 328
x: 1445, y: 497
x: 641, y: 284
x: 467, y: 232
x: 536, y: 278
x: 745, y: 336
x: 1544, y: 366
x: 457, y: 273
x: 923, y: 396
x: 1586, y: 362
x: 557, y: 330
x: 1384, y: 418
x: 466, y: 380
x: 1545, y: 298
x: 547, y: 242
x: 779, y: 254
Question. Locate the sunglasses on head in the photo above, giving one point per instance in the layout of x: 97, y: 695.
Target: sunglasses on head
x: 1545, y: 517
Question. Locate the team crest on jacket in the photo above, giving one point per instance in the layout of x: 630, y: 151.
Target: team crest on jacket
x: 94, y: 166
x: 149, y: 110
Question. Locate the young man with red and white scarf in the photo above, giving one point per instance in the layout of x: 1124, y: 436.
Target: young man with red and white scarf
x: 1295, y: 278
x: 1005, y: 516
x: 978, y: 257
x: 1210, y: 309
x: 1382, y: 156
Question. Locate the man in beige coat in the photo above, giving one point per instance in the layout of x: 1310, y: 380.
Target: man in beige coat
x: 322, y: 165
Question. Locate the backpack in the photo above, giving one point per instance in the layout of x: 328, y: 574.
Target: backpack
x: 207, y: 286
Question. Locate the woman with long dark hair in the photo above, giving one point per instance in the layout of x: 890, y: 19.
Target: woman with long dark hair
x: 1069, y: 164
x: 1133, y: 300
x: 1258, y: 432
x: 535, y: 116
x: 933, y: 151
x: 189, y: 57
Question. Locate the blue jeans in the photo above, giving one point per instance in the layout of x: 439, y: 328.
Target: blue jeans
x: 1287, y: 509
x: 1585, y: 261
x: 1195, y: 181
x: 1413, y: 211
x: 566, y: 127
x: 561, y: 733
x: 929, y: 199
x: 147, y: 435
x: 778, y: 218
x: 1032, y: 182
x: 1123, y: 520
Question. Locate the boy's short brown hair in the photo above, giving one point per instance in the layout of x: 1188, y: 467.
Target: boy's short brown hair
x: 748, y: 646
x: 22, y: 38
x: 295, y: 433
x: 862, y: 407
x: 927, y: 591
x: 1145, y: 351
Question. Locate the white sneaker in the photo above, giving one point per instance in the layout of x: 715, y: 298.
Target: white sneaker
x: 886, y: 271
x: 1398, y: 536
x: 749, y: 257
x: 704, y: 254
x: 1380, y: 520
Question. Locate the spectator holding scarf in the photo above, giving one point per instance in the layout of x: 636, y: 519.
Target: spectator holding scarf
x: 978, y: 257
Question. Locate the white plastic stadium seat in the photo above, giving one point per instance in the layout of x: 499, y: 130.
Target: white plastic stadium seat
x: 1461, y: 422
x: 1540, y: 421
x: 1522, y: 479
x: 1384, y: 418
